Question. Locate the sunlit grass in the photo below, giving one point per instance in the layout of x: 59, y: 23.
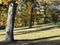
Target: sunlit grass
x: 2, y: 30
x: 39, y: 34
x: 35, y: 33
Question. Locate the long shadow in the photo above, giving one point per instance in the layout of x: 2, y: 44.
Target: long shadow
x: 44, y: 38
x: 26, y: 28
x: 55, y: 42
x: 36, y: 30
x: 22, y: 28
x: 34, y: 41
x: 2, y: 27
x: 2, y: 34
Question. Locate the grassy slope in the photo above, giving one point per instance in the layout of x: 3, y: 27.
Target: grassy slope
x: 41, y: 33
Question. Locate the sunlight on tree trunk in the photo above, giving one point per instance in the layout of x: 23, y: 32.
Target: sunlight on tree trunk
x: 10, y: 21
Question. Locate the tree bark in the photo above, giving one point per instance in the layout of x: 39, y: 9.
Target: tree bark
x: 10, y: 21
x: 31, y: 18
x: 45, y: 13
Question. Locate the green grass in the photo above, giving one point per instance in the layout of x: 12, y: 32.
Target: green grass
x: 45, y: 33
x: 2, y: 30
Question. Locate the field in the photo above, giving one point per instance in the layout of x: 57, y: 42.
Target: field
x: 46, y: 34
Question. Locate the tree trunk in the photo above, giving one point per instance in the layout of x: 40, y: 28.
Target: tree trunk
x: 45, y: 13
x: 10, y: 21
x: 31, y: 18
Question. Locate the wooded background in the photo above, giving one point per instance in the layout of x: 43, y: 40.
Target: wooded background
x: 23, y: 18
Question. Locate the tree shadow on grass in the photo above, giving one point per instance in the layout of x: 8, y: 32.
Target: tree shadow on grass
x: 32, y: 31
x: 36, y: 30
x: 2, y: 27
x: 22, y: 28
x: 45, y: 41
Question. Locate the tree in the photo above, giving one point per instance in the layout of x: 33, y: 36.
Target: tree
x: 10, y: 20
x: 31, y: 16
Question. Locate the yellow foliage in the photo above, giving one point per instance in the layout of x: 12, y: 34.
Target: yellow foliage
x: 38, y: 12
x: 39, y: 1
x: 5, y: 2
x: 0, y: 1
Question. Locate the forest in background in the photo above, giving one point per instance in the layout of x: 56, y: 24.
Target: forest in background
x: 23, y: 18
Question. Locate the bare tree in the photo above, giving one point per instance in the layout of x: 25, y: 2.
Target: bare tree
x: 10, y: 20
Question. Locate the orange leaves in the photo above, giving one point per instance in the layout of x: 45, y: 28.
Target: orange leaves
x: 5, y: 2
x: 59, y: 6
